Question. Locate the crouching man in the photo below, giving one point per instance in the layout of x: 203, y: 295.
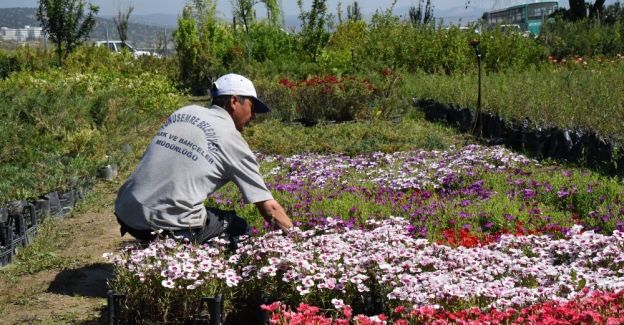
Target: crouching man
x: 196, y: 151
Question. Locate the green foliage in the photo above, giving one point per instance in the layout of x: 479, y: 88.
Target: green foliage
x: 510, y: 51
x: 576, y: 96
x: 313, y: 33
x: 275, y: 137
x: 65, y: 23
x: 202, y: 45
x: 8, y: 64
x: 187, y: 48
x: 585, y: 37
x: 263, y: 42
x: 63, y: 125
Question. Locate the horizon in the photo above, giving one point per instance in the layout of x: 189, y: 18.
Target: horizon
x: 151, y: 7
x: 448, y: 10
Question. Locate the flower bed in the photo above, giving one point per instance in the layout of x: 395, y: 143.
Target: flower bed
x: 373, y: 269
x: 590, y: 307
x: 469, y: 195
x: 453, y: 235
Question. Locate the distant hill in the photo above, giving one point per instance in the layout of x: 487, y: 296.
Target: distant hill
x: 141, y: 35
x: 164, y: 20
x: 18, y: 17
x: 144, y: 30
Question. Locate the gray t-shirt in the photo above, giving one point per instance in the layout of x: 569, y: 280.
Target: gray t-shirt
x: 194, y: 153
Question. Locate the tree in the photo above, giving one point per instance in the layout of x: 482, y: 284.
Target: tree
x: 339, y: 12
x: 354, y: 12
x: 65, y: 23
x: 419, y: 16
x: 313, y: 34
x: 187, y: 50
x: 121, y: 23
x: 201, y: 43
x: 274, y: 11
x: 243, y: 9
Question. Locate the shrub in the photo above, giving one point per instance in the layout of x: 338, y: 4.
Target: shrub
x: 583, y: 38
x: 60, y: 126
x: 334, y: 98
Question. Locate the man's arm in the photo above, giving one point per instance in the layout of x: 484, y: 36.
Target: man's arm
x: 272, y: 210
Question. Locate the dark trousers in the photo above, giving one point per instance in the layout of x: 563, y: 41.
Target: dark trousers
x: 224, y: 223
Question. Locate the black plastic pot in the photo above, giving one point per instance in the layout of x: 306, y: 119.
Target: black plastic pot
x: 16, y: 222
x: 114, y: 307
x: 30, y: 221
x: 6, y: 229
x: 55, y: 204
x: 42, y: 206
x: 560, y: 143
x: 67, y: 199
x: 576, y: 151
x: 453, y: 117
x: 467, y: 120
x: 108, y: 172
x: 374, y: 306
x: 79, y: 193
x: 513, y: 136
x: 6, y: 255
x: 19, y: 232
x: 213, y: 306
x: 599, y: 152
x: 4, y: 215
x: 15, y: 207
x: 436, y: 112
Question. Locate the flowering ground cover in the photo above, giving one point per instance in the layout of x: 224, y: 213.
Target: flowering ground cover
x: 469, y: 234
x: 468, y: 195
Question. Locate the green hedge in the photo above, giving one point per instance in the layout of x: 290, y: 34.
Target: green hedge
x: 58, y: 126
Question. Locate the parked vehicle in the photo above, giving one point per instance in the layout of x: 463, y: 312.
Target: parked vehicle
x: 118, y: 46
x: 529, y: 17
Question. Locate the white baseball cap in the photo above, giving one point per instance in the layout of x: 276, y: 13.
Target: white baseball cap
x: 235, y: 84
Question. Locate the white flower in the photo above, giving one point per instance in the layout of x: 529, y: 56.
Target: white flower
x: 338, y: 303
x: 168, y: 283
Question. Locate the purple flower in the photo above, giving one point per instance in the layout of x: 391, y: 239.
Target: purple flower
x: 463, y: 214
x: 529, y: 193
x: 619, y: 225
x: 563, y: 193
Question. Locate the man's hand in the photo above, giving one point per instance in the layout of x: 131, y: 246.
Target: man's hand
x: 273, y: 212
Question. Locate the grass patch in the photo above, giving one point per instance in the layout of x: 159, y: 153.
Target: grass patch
x: 411, y: 132
x: 42, y: 253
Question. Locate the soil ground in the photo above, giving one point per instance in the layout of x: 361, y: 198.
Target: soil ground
x: 76, y: 292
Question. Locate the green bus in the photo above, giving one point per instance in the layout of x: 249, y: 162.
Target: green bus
x: 528, y: 17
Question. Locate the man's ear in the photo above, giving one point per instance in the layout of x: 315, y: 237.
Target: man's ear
x: 230, y: 103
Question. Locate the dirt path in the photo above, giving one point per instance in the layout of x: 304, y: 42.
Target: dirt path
x: 75, y: 294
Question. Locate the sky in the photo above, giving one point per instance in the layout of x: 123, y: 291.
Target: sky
x: 144, y: 7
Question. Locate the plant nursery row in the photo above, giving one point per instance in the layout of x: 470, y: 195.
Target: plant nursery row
x: 576, y: 146
x: 20, y: 219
